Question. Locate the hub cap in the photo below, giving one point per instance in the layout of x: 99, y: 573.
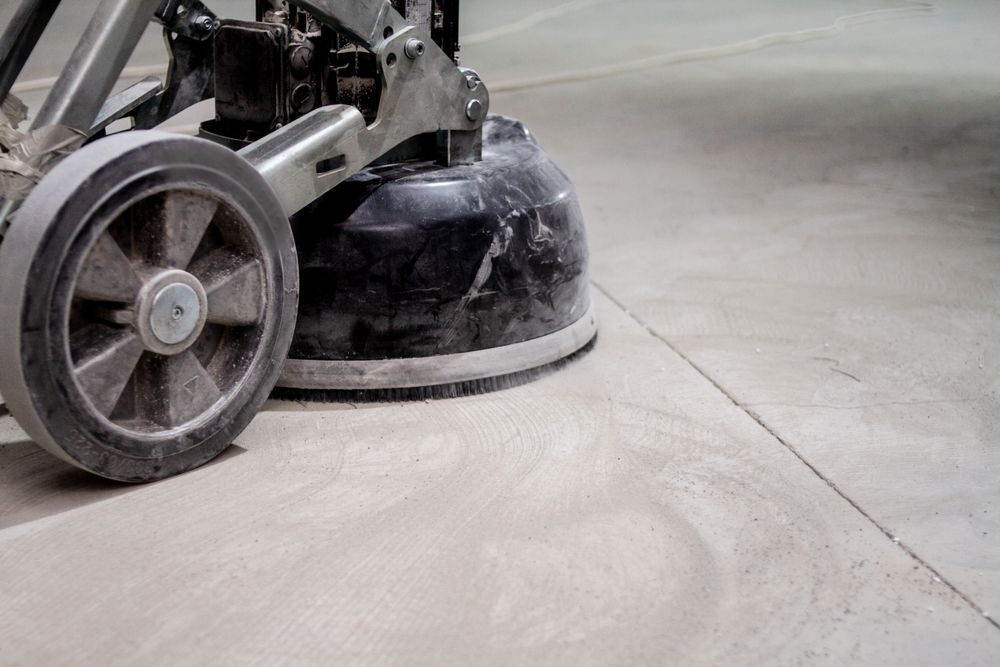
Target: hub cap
x: 175, y: 313
x: 172, y: 309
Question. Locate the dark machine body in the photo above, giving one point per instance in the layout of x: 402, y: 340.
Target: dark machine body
x: 418, y: 260
x: 415, y: 260
x: 423, y: 254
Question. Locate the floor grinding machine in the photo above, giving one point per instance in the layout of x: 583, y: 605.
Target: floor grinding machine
x: 351, y: 223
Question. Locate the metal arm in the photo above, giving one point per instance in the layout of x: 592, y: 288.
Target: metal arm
x: 96, y: 63
x: 20, y: 38
x: 423, y: 91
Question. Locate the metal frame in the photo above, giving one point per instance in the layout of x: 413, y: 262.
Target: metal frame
x: 421, y: 93
x: 424, y: 91
x: 96, y: 64
x: 21, y: 37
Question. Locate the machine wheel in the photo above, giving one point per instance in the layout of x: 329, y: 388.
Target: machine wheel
x: 148, y: 300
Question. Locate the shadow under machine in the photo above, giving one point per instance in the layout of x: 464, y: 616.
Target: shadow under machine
x: 352, y: 223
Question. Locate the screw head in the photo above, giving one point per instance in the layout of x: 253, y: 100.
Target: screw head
x: 414, y: 48
x: 175, y: 313
x: 206, y: 23
x: 474, y: 110
x: 301, y: 59
x: 302, y: 98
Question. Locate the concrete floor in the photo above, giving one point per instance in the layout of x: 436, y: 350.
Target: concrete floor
x: 784, y: 448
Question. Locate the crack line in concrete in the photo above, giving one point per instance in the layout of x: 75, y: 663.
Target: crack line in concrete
x: 910, y: 9
x: 866, y: 406
x: 757, y: 418
x: 531, y: 20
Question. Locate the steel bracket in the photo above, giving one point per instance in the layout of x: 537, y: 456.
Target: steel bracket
x: 422, y: 94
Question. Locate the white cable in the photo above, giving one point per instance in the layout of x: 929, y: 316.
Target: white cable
x: 723, y: 51
x: 531, y: 21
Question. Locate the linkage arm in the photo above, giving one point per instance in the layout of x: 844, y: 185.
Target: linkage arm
x: 21, y: 37
x: 423, y: 92
x: 96, y: 64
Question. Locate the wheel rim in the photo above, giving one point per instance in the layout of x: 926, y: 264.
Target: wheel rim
x: 165, y: 314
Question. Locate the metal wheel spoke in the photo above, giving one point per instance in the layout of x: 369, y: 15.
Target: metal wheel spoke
x: 106, y: 358
x: 233, y: 284
x: 107, y: 273
x: 186, y: 389
x: 177, y: 225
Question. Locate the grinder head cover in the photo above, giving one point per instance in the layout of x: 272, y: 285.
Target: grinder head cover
x: 421, y: 281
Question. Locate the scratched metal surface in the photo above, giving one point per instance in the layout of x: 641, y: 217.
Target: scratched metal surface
x: 796, y: 254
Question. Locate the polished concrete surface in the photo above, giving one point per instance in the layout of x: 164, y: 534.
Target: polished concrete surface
x: 783, y: 449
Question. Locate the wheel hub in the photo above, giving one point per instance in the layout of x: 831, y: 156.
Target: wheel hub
x: 175, y: 313
x: 171, y: 312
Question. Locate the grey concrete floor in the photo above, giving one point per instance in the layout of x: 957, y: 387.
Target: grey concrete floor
x: 784, y: 448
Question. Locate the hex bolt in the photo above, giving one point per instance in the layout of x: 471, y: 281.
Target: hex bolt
x: 474, y: 110
x: 414, y: 48
x: 472, y: 81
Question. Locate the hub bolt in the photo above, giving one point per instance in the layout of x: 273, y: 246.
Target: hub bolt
x: 175, y: 314
x: 414, y: 48
x: 474, y: 110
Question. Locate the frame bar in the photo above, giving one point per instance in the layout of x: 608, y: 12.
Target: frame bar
x: 96, y: 63
x: 20, y: 39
